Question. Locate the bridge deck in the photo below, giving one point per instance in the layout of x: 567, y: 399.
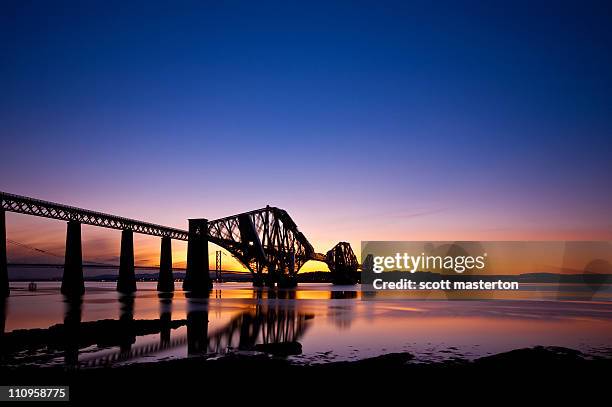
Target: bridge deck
x: 52, y: 210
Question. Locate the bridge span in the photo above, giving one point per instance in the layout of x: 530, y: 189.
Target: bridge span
x: 266, y: 241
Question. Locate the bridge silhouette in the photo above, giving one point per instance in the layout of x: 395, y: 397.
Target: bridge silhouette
x: 266, y: 241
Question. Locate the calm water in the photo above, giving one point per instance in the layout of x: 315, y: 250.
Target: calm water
x: 330, y: 323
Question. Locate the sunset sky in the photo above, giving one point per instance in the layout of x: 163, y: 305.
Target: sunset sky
x: 364, y: 120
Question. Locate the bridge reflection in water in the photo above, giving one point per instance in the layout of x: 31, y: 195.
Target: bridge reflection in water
x: 272, y: 327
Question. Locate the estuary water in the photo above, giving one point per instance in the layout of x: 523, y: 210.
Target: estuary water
x: 314, y: 323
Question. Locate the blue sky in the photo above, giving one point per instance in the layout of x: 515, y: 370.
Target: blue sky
x: 364, y: 120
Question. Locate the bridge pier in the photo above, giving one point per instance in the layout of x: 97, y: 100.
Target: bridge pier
x: 197, y: 276
x: 126, y: 284
x: 258, y: 280
x: 287, y: 282
x: 270, y: 278
x: 72, y: 280
x: 165, y: 280
x: 4, y: 283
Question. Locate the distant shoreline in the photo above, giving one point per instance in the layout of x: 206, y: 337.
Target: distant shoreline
x: 326, y: 277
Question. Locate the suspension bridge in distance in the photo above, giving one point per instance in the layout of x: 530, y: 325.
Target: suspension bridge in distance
x: 266, y: 241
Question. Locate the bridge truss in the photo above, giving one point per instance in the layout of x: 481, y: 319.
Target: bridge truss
x: 52, y: 210
x: 267, y: 241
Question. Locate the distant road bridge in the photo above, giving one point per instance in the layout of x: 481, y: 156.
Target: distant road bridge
x: 267, y: 241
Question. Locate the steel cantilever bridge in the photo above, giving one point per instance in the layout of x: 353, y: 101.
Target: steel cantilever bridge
x: 267, y: 241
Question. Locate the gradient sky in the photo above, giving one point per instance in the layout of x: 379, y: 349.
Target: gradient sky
x: 364, y: 120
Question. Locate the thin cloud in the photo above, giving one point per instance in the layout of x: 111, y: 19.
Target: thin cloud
x: 411, y: 215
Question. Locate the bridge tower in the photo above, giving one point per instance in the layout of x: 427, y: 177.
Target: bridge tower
x: 218, y: 267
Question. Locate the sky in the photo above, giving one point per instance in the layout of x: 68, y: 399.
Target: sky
x: 364, y: 120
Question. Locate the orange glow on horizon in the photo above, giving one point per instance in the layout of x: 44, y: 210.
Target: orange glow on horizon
x: 39, y: 240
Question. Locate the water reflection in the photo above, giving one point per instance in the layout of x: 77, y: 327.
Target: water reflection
x: 71, y: 332
x: 126, y: 325
x: 100, y: 330
x: 270, y: 327
x: 342, y: 312
x: 197, y: 326
x: 165, y: 318
x: 274, y: 294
